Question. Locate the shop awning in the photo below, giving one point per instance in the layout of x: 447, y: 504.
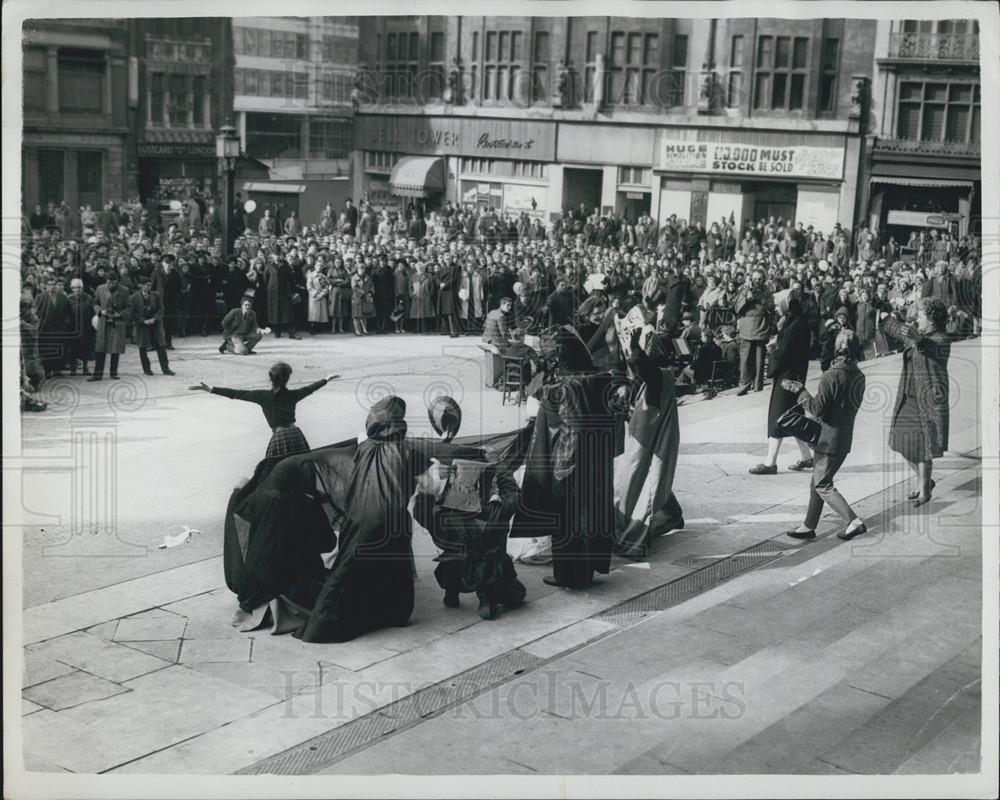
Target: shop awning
x: 417, y: 176
x: 274, y: 188
x: 921, y: 182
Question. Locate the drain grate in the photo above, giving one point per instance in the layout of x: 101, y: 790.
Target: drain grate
x: 694, y: 583
x: 327, y: 749
x: 694, y: 560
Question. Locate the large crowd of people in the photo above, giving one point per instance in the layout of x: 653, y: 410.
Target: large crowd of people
x: 363, y: 271
x: 628, y: 313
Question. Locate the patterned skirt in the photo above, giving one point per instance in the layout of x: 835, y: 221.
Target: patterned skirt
x: 287, y: 441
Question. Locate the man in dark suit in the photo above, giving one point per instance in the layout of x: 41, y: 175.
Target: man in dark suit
x: 753, y: 322
x: 166, y: 282
x: 677, y: 294
x: 54, y: 324
x: 146, y: 311
x: 239, y: 329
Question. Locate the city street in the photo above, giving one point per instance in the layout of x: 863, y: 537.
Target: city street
x: 733, y: 650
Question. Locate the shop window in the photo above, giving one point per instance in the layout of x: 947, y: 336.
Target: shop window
x: 376, y: 159
x: 51, y: 176
x: 829, y: 65
x: 634, y: 175
x: 34, y: 78
x: 274, y: 135
x: 782, y: 66
x: 938, y: 112
x: 330, y: 138
x: 678, y: 72
x: 81, y: 80
x: 734, y: 85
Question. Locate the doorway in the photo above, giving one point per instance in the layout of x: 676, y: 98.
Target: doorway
x: 776, y: 200
x: 582, y: 185
x: 633, y: 205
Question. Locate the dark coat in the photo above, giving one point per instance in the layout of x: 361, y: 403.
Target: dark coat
x: 168, y: 286
x: 753, y: 312
x: 113, y: 309
x: 925, y: 374
x: 865, y: 325
x: 447, y: 280
x: 238, y: 324
x: 280, y: 283
x: 147, y: 337
x: 789, y: 359
x: 836, y: 403
x: 676, y: 295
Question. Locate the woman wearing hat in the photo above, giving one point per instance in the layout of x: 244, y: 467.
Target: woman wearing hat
x: 278, y: 404
x: 340, y: 296
x: 362, y: 299
x: 920, y: 421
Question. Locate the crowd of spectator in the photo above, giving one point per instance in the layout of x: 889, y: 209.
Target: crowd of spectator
x: 363, y: 271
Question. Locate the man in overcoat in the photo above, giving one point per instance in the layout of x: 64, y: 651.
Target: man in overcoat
x: 112, y: 307
x: 146, y: 311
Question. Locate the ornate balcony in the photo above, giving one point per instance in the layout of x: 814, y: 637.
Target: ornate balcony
x: 913, y: 147
x: 934, y: 47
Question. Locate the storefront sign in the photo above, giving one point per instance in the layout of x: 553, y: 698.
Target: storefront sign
x: 380, y: 195
x: 482, y: 138
x: 922, y: 219
x: 752, y: 159
x: 154, y: 150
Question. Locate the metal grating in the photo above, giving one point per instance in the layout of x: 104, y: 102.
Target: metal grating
x: 329, y: 748
x: 692, y: 584
x: 694, y: 560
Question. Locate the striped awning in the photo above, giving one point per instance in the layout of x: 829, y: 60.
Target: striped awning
x: 274, y: 188
x: 921, y: 182
x: 417, y: 176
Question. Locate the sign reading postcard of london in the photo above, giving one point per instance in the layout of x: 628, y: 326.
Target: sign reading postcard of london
x: 752, y: 159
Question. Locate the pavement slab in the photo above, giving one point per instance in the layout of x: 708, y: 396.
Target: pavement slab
x: 72, y: 690
x: 108, y: 660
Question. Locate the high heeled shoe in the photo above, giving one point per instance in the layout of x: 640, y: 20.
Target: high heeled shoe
x: 916, y: 495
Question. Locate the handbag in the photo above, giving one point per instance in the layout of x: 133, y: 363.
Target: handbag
x: 795, y: 423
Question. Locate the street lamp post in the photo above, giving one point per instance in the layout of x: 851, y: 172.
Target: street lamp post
x: 227, y: 150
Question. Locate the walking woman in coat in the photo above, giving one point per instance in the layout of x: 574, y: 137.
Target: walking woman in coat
x: 835, y: 406
x: 790, y: 359
x: 919, y: 431
x: 278, y: 404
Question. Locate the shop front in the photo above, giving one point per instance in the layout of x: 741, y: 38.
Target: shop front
x: 485, y: 163
x: 172, y: 171
x: 760, y: 176
x: 901, y: 205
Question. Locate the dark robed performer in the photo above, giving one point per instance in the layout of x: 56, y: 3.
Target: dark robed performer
x: 283, y: 523
x: 568, y: 486
x: 278, y: 404
x: 370, y: 585
x: 466, y: 506
x: 645, y: 505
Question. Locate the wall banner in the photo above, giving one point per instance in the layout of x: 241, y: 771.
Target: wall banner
x: 751, y: 160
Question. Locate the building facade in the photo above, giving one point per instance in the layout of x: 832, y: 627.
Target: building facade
x: 924, y: 169
x: 699, y: 118
x: 76, y: 128
x: 179, y: 97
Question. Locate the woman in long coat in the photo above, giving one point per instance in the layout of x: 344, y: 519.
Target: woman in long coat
x: 280, y: 283
x: 362, y: 300
x: 448, y: 279
x: 340, y: 296
x: 789, y: 359
x: 920, y: 420
x: 422, y: 298
x: 319, y: 297
x: 385, y: 294
x: 401, y: 294
x: 568, y: 487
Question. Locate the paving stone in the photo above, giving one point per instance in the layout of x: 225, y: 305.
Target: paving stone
x: 168, y: 651
x: 113, y: 662
x: 278, y: 680
x: 150, y: 628
x: 39, y: 667
x: 72, y: 690
x: 161, y: 709
x: 194, y: 651
x: 957, y: 749
x: 27, y: 707
x: 570, y: 637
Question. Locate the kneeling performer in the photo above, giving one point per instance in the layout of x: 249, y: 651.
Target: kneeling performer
x: 466, y: 506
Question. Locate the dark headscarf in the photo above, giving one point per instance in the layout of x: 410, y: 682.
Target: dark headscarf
x: 386, y: 420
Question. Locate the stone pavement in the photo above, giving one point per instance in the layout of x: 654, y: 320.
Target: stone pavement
x: 131, y: 665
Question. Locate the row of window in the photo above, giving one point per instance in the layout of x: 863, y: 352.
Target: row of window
x: 380, y: 159
x: 80, y: 79
x: 281, y: 136
x: 270, y: 44
x: 939, y: 112
x: 271, y: 83
x: 339, y: 49
x: 958, y: 27
x: 504, y: 168
x: 633, y: 76
x: 177, y: 101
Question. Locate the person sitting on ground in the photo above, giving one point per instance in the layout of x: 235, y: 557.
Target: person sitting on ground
x: 240, y: 333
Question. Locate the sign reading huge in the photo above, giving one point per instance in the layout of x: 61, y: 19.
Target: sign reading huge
x: 752, y: 159
x: 457, y: 136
